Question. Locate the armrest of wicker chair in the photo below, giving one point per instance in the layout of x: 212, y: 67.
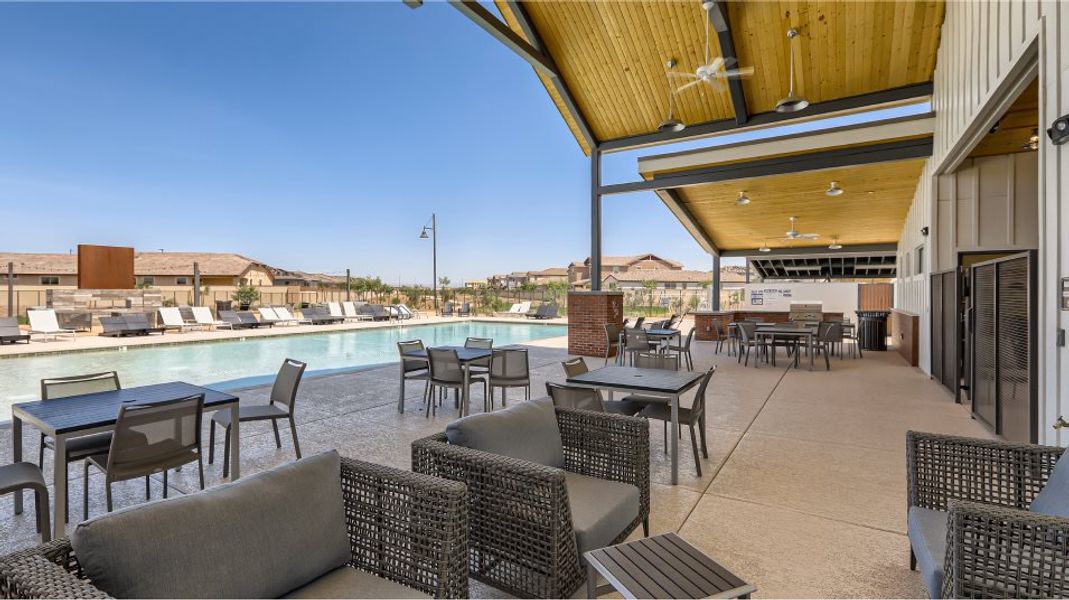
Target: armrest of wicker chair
x: 608, y: 446
x: 521, y: 530
x: 941, y: 468
x: 998, y: 552
x: 34, y: 573
x: 407, y: 527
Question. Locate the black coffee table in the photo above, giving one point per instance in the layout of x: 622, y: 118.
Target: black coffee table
x: 662, y: 566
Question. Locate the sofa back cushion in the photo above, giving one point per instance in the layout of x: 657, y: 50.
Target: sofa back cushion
x: 1053, y: 499
x: 259, y: 537
x: 525, y: 430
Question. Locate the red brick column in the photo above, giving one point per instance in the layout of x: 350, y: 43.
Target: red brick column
x: 588, y: 312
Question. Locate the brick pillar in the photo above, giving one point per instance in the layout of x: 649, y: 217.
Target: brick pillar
x: 588, y: 313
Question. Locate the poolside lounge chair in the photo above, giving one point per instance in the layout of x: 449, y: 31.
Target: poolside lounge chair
x: 10, y: 332
x: 285, y: 317
x: 545, y: 311
x: 518, y: 310
x: 514, y: 309
x: 250, y: 320
x: 315, y: 315
x: 447, y: 309
x: 138, y: 323
x: 203, y: 316
x: 172, y: 319
x: 351, y: 314
x: 235, y: 320
x: 392, y: 311
x: 43, y: 322
x: 335, y: 310
x: 407, y: 313
x: 465, y: 310
x: 268, y: 315
x: 375, y: 311
x: 114, y: 327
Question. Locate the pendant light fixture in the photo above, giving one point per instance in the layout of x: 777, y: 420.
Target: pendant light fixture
x: 1033, y: 142
x: 671, y: 124
x: 835, y: 245
x: 742, y: 200
x: 793, y: 102
x: 834, y: 189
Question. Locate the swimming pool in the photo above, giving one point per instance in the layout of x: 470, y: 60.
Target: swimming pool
x: 231, y: 364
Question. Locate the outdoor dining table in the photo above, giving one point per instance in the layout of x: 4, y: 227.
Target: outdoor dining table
x: 789, y: 331
x: 660, y: 335
x: 65, y: 418
x: 466, y: 356
x: 649, y: 382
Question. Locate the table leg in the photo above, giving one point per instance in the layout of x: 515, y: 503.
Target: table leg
x: 59, y: 472
x: 16, y: 455
x: 401, y: 398
x: 465, y: 399
x: 235, y: 443
x: 591, y: 582
x: 812, y: 351
x: 675, y: 440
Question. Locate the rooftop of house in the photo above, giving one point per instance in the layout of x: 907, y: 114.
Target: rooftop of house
x: 625, y: 261
x: 663, y: 275
x: 212, y: 264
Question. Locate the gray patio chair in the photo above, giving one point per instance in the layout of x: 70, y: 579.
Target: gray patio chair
x: 724, y: 333
x: 509, y: 368
x: 682, y: 350
x: 465, y: 310
x: 281, y: 405
x: 447, y: 309
x: 988, y: 519
x: 639, y: 322
x: 748, y: 341
x: 574, y: 366
x: 612, y: 342
x: 850, y: 334
x: 829, y: 333
x: 114, y: 327
x: 81, y: 447
x: 691, y: 416
x: 545, y: 485
x: 138, y: 323
x: 15, y: 478
x: 635, y: 341
x: 577, y: 366
x: 480, y: 366
x: 448, y: 374
x: 569, y: 396
x: 235, y: 320
x: 412, y: 369
x: 10, y: 332
x: 149, y: 438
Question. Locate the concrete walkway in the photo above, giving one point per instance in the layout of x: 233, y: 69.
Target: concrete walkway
x: 804, y: 493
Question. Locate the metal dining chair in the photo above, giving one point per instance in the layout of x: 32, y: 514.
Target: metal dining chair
x: 15, y: 478
x: 81, y: 447
x: 635, y: 340
x: 280, y: 406
x: 682, y: 350
x: 748, y: 341
x: 691, y: 417
x: 481, y: 366
x: 828, y: 334
x: 639, y: 322
x: 412, y: 369
x: 448, y: 374
x: 568, y: 396
x: 509, y: 368
x: 149, y: 438
x: 575, y: 366
x: 612, y: 341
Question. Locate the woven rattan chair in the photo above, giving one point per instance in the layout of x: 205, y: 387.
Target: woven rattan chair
x: 975, y: 524
x: 415, y: 369
x: 425, y: 546
x: 281, y: 405
x: 149, y: 438
x: 448, y: 374
x: 509, y: 368
x: 81, y: 447
x: 693, y: 416
x: 521, y: 537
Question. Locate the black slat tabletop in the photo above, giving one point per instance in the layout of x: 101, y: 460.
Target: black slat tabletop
x: 666, y: 566
x: 463, y: 354
x: 88, y: 411
x: 633, y: 378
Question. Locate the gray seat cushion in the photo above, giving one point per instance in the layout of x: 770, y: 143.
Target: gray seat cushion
x: 259, y: 537
x: 1053, y: 499
x: 928, y: 537
x: 347, y: 582
x: 601, y: 509
x: 526, y: 430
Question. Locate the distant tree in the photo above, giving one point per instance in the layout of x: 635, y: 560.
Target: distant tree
x: 246, y: 294
x: 556, y: 289
x: 693, y: 302
x: 443, y: 282
x: 649, y: 285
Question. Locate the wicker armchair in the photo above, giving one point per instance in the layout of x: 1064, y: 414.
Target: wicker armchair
x: 995, y: 547
x: 521, y: 533
x: 402, y: 526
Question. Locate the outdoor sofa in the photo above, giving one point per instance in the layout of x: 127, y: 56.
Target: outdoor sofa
x: 322, y: 527
x: 988, y: 518
x: 545, y: 484
x: 10, y: 332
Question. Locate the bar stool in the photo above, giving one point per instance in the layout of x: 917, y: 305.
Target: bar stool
x: 27, y: 476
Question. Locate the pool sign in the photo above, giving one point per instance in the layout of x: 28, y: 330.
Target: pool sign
x: 757, y: 298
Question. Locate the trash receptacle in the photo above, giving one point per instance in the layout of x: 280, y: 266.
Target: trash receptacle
x: 872, y: 329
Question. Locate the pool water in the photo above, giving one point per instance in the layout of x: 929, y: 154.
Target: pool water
x: 232, y: 364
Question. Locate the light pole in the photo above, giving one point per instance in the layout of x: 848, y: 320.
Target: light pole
x: 433, y: 228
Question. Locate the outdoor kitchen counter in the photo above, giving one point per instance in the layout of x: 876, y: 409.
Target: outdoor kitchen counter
x: 705, y: 320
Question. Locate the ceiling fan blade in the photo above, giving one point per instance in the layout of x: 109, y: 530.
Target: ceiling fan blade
x: 689, y: 85
x: 809, y: 236
x: 743, y: 72
x: 682, y: 75
x: 717, y: 64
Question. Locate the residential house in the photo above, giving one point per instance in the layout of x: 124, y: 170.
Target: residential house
x: 302, y: 279
x: 150, y: 268
x: 579, y: 272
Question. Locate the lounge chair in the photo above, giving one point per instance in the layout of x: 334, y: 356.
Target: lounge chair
x: 315, y: 315
x: 465, y: 310
x: 235, y: 320
x: 172, y: 319
x: 268, y: 315
x: 203, y: 316
x: 408, y: 312
x: 335, y: 310
x: 351, y: 314
x: 447, y: 309
x: 545, y: 311
x: 138, y: 323
x: 517, y: 310
x: 285, y: 317
x: 514, y: 309
x: 10, y: 332
x: 114, y: 327
x: 375, y: 311
x: 43, y: 322
x: 250, y: 320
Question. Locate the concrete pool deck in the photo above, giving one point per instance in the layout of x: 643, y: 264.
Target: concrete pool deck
x: 89, y: 341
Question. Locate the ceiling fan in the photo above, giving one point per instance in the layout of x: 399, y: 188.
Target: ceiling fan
x: 714, y: 70
x: 794, y: 234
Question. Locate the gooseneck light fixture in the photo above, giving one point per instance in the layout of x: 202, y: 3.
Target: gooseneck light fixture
x: 834, y: 189
x: 433, y: 229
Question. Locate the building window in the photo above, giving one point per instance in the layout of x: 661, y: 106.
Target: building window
x: 181, y: 281
x: 669, y: 286
x: 148, y: 281
x: 50, y: 280
x: 919, y: 270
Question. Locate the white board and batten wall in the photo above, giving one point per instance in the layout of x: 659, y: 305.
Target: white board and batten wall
x: 985, y: 48
x: 835, y: 296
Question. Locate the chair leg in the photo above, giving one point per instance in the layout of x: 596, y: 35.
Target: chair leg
x: 827, y: 360
x: 278, y: 440
x: 646, y: 527
x: 107, y: 493
x: 226, y: 452
x: 148, y: 488
x: 701, y: 432
x: 665, y: 436
x: 694, y: 447
x: 41, y: 504
x: 211, y: 442
x: 912, y: 559
x: 165, y: 484
x: 296, y: 445
x: 200, y: 469
x: 85, y: 492
x: 41, y: 453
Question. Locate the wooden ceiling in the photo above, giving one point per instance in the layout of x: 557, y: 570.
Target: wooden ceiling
x: 612, y: 54
x: 1014, y: 128
x: 871, y: 210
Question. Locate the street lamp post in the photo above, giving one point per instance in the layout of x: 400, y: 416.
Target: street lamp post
x: 433, y: 228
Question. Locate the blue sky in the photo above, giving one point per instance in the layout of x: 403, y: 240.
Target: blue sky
x: 309, y: 136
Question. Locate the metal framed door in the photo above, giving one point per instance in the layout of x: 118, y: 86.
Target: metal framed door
x: 946, y: 340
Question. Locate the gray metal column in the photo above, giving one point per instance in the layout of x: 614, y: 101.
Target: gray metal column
x: 11, y: 295
x: 747, y: 270
x: 348, y: 285
x: 714, y: 301
x: 196, y: 284
x: 595, y: 219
